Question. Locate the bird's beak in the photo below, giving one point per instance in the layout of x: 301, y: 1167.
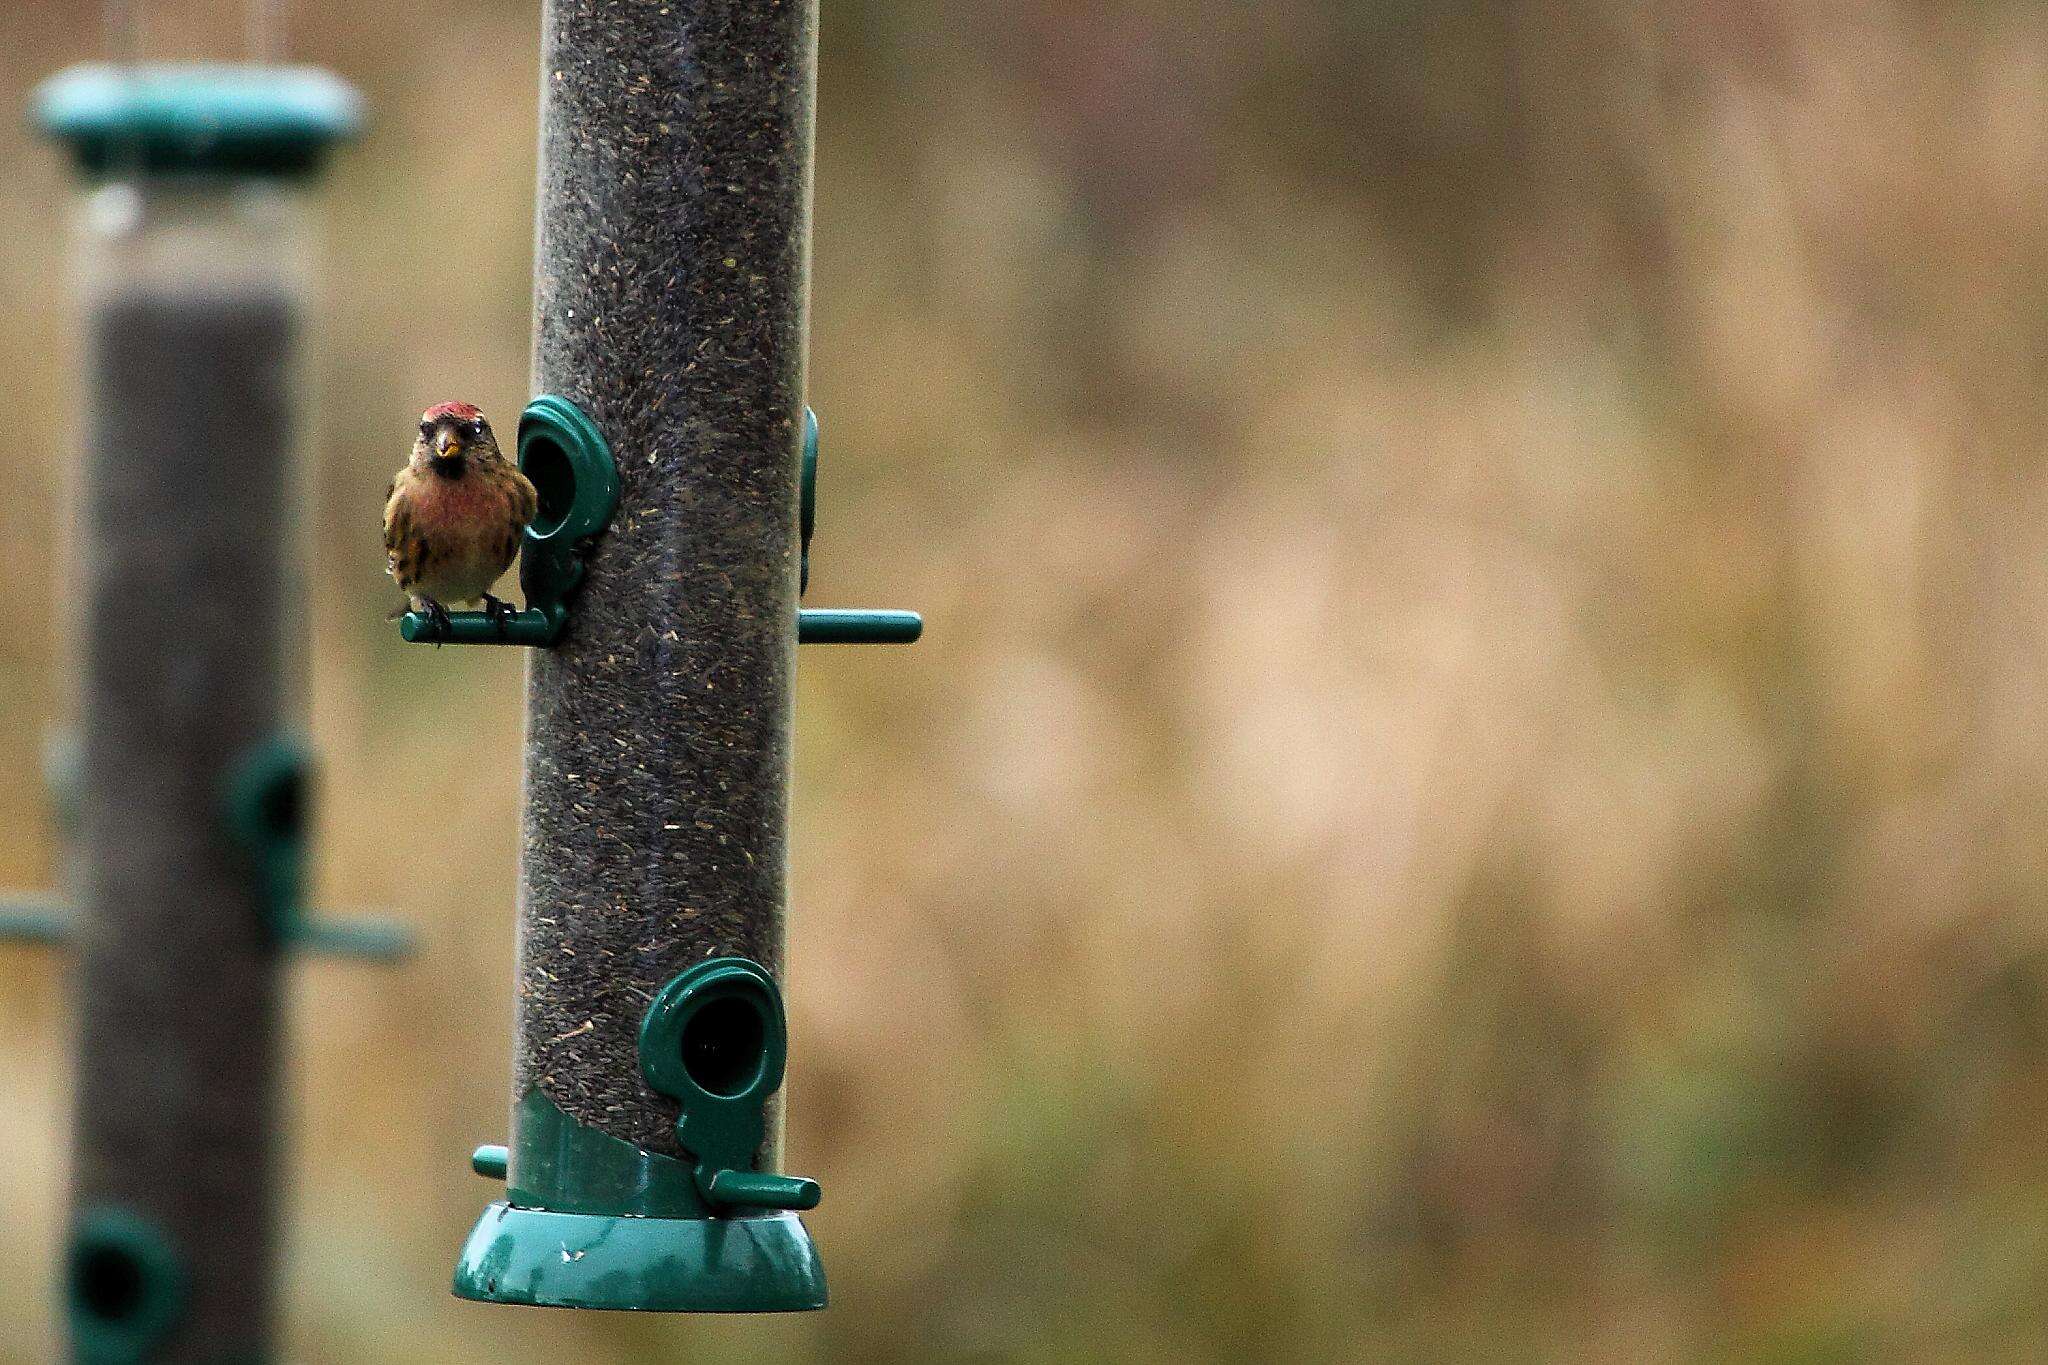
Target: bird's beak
x: 447, y: 445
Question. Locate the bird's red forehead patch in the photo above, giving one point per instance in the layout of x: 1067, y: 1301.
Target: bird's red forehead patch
x: 461, y: 412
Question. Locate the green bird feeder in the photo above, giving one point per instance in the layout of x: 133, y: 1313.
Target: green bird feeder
x: 644, y: 1166
x: 184, y: 795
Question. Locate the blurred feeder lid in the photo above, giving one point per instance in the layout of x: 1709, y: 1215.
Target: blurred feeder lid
x: 275, y: 121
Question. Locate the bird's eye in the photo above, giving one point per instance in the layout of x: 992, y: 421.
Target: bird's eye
x: 476, y: 429
x: 426, y: 428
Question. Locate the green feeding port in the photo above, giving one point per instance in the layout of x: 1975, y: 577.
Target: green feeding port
x: 198, y: 119
x: 125, y: 1287
x: 39, y: 920
x: 724, y: 1047
x: 266, y: 810
x: 715, y: 1040
x: 577, y: 482
x: 838, y: 626
x: 591, y: 1221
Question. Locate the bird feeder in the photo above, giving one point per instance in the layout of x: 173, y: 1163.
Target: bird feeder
x: 187, y: 791
x: 643, y: 1169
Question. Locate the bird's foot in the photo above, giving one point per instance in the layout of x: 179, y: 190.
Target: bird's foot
x: 437, y: 617
x: 501, y: 614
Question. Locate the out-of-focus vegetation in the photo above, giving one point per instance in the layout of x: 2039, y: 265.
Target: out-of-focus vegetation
x: 1476, y: 783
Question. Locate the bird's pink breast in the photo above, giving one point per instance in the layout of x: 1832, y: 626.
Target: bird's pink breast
x: 466, y: 532
x: 440, y: 504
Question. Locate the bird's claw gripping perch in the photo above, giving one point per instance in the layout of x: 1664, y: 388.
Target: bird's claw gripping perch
x: 501, y: 614
x: 437, y: 616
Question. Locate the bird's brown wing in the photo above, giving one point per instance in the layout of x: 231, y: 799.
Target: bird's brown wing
x: 500, y: 544
x: 397, y: 530
x: 526, y: 501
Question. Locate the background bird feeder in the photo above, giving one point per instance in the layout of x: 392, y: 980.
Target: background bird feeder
x: 186, y: 798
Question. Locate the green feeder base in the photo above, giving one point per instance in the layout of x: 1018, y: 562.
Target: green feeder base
x: 763, y: 1264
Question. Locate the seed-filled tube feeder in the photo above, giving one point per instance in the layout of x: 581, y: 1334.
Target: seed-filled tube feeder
x: 643, y: 1168
x: 189, y: 787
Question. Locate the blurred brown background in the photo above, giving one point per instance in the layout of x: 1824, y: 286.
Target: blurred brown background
x: 1475, y: 784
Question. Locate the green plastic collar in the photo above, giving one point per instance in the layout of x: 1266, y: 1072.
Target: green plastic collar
x: 260, y: 121
x: 556, y: 1163
x: 538, y: 1257
x: 807, y: 504
x: 589, y: 1221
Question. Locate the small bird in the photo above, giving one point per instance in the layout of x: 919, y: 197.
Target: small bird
x: 453, y: 516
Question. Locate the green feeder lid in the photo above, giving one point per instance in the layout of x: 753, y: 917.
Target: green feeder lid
x: 199, y: 119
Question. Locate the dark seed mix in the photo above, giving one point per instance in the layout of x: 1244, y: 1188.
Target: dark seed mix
x: 671, y: 286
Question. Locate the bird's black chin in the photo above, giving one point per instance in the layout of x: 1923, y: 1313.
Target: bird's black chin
x: 449, y: 466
